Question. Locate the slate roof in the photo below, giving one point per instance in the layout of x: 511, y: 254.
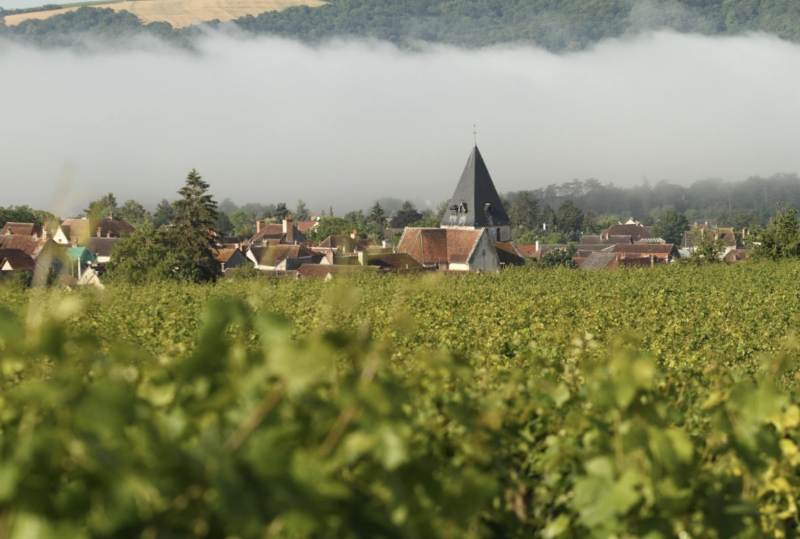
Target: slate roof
x: 508, y: 254
x: 599, y: 260
x: 79, y: 229
x: 18, y: 260
x: 439, y: 245
x: 475, y: 201
x: 100, y: 246
x: 276, y: 254
x: 23, y: 229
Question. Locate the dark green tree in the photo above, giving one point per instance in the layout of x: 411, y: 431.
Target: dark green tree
x: 300, y: 211
x: 153, y: 255
x: 524, y: 211
x: 407, y: 215
x: 590, y: 223
x: 224, y: 225
x: 196, y: 221
x: 197, y: 210
x: 708, y: 248
x: 377, y: 214
x: 671, y: 227
x: 101, y: 207
x: 165, y: 213
x: 281, y: 211
x: 244, y: 224
x: 329, y: 226
x: 556, y: 258
x: 134, y: 213
x: 569, y: 219
x: 781, y: 238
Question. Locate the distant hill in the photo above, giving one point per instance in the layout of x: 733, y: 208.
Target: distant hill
x: 178, y: 13
x: 558, y: 25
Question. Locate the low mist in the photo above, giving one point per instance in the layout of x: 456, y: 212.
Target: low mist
x: 268, y: 120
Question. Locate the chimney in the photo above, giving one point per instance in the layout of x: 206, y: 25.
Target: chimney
x: 354, y: 234
x: 259, y: 224
x: 111, y: 215
x: 362, y: 258
x: 288, y: 229
x: 99, y: 231
x: 45, y: 233
x: 537, y: 245
x: 744, y: 232
x: 108, y: 234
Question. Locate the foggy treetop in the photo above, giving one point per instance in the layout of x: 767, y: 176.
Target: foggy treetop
x: 555, y: 25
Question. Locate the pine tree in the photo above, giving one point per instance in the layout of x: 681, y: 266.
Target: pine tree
x: 196, y: 221
x: 164, y: 214
x: 196, y: 210
x: 300, y: 211
x: 281, y: 211
x: 377, y: 215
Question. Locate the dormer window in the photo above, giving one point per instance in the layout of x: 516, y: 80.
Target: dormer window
x: 462, y: 208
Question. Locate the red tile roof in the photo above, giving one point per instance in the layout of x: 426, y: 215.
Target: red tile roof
x: 660, y: 250
x: 439, y: 245
x: 508, y: 253
x: 305, y: 226
x: 275, y: 254
x: 24, y: 229
x: 26, y: 244
x: 17, y: 259
x: 637, y: 232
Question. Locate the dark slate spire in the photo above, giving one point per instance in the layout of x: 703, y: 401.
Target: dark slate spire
x: 475, y: 202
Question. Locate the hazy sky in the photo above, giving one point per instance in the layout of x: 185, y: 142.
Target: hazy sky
x: 269, y: 120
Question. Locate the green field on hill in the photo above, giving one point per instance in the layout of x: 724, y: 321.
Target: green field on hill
x: 548, y: 403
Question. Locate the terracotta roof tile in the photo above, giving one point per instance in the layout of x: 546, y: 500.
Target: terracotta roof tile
x: 275, y: 254
x: 18, y: 260
x: 508, y: 254
x: 636, y: 232
x: 24, y: 229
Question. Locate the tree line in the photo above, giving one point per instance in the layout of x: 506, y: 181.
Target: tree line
x: 557, y: 26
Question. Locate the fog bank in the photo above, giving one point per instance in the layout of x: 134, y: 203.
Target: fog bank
x: 268, y: 120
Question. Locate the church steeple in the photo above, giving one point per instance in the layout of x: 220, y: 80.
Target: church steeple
x: 475, y: 202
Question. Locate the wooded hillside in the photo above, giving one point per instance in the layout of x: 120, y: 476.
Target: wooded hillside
x: 558, y: 25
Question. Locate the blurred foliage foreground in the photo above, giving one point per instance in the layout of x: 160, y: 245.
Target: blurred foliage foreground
x: 259, y: 431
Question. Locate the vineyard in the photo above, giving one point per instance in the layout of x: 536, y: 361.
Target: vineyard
x: 549, y: 403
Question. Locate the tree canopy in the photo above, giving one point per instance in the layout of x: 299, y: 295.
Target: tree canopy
x: 557, y: 26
